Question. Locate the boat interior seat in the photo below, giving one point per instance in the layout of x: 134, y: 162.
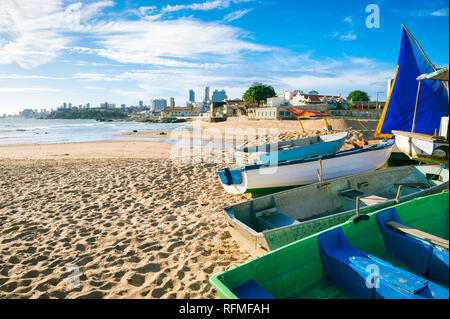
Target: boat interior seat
x: 423, y: 253
x: 348, y: 198
x: 274, y: 220
x: 362, y: 275
x: 251, y: 290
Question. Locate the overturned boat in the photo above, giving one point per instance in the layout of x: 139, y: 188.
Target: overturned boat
x: 290, y: 150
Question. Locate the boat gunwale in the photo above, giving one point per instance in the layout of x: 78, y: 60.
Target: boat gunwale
x: 399, y: 168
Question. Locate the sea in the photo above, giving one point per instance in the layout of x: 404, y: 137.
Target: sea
x: 50, y: 131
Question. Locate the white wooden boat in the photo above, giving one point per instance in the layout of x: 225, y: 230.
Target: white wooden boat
x: 426, y: 147
x: 269, y: 222
x: 263, y: 179
x: 290, y: 150
x: 423, y: 147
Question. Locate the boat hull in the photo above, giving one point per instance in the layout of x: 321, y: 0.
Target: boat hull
x: 421, y: 147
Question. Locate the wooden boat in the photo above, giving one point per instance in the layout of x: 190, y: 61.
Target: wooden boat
x: 264, y: 179
x: 423, y: 147
x: 290, y: 150
x: 426, y: 147
x: 416, y: 110
x: 356, y: 259
x: 270, y: 222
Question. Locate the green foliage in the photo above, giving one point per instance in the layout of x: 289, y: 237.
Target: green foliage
x: 339, y: 105
x: 358, y: 95
x: 110, y: 114
x: 351, y: 106
x: 257, y: 93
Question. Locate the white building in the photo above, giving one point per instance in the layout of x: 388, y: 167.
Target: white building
x: 277, y: 101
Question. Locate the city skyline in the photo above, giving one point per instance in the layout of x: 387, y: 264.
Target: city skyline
x: 74, y: 51
x: 141, y: 103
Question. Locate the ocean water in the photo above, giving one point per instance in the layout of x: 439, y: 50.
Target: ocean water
x: 37, y: 131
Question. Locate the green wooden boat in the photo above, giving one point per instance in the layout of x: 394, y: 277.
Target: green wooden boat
x: 301, y: 270
x: 270, y: 222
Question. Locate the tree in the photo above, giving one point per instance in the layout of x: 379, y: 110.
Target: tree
x: 257, y: 93
x: 358, y: 95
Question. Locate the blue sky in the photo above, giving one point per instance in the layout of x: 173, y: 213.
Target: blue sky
x: 55, y: 51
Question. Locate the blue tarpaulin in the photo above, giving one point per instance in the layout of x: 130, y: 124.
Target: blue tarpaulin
x: 398, y: 112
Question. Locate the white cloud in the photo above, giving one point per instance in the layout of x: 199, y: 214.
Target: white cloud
x: 143, y: 11
x: 36, y: 34
x: 349, y: 36
x: 27, y: 77
x: 28, y: 90
x: 349, y: 20
x: 440, y: 13
x: 92, y: 87
x: 236, y: 15
x: 430, y: 12
x: 361, y: 60
x: 177, y: 43
x: 204, y: 6
x: 32, y: 32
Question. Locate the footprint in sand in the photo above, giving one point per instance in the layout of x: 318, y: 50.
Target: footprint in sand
x: 136, y: 280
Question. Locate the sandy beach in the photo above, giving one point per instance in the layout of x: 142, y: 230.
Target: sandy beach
x: 122, y: 215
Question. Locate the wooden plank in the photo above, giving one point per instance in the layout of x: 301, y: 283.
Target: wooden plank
x: 418, y: 233
x: 372, y: 200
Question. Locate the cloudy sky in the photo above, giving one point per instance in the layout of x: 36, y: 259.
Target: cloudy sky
x: 55, y: 51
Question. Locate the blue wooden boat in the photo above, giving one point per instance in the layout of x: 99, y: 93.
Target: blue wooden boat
x: 290, y: 150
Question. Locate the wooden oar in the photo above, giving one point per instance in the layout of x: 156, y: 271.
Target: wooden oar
x: 418, y: 233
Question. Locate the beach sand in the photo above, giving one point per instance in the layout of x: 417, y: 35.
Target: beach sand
x: 121, y: 214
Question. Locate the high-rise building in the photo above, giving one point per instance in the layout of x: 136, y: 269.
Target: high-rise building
x: 70, y: 105
x: 107, y: 105
x: 172, y: 102
x: 191, y: 96
x: 158, y: 105
x: 206, y: 94
x: 219, y: 96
